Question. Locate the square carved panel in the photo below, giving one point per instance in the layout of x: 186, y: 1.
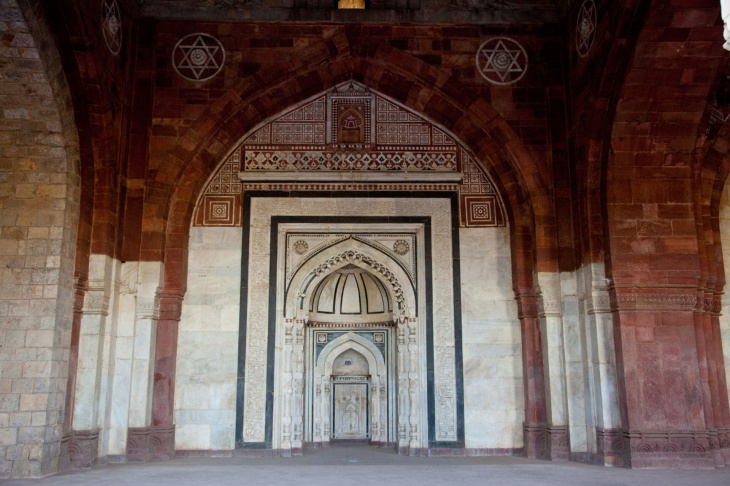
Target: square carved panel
x: 480, y: 211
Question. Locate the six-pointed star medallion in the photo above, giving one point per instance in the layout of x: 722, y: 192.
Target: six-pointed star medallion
x: 198, y: 57
x: 502, y: 60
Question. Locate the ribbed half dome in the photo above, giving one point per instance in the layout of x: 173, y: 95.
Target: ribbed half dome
x: 350, y: 294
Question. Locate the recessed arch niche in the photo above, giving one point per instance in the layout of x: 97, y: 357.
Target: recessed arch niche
x: 398, y: 205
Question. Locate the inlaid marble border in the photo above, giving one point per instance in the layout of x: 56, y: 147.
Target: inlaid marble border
x: 255, y: 383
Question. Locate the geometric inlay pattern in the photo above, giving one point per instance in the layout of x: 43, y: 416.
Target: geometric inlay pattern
x: 479, y: 205
x: 220, y: 204
x: 585, y: 29
x: 501, y: 60
x: 480, y: 211
x: 344, y: 187
x: 353, y: 129
x: 198, y: 57
x: 111, y: 25
x: 339, y: 160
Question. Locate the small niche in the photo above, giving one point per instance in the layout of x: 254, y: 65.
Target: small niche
x: 349, y: 4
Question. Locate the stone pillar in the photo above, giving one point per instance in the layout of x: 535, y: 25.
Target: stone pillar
x: 602, y: 366
x: 92, y: 372
x: 532, y: 363
x: 579, y: 407
x: 287, y: 390
x: 551, y: 322
x: 403, y: 396
x: 413, y: 388
x: 298, y: 388
x: 123, y: 352
x: 147, y: 313
x: 162, y: 432
x: 658, y: 362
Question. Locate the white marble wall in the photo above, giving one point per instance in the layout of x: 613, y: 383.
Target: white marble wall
x: 207, y: 350
x: 493, y: 383
x: 122, y: 379
x: 116, y: 350
x: 133, y: 348
x: 580, y: 367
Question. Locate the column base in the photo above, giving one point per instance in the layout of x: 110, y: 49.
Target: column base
x: 535, y: 437
x: 724, y: 444
x: 162, y: 442
x: 558, y: 442
x: 79, y: 450
x: 667, y: 448
x: 138, y: 444
x: 610, y: 447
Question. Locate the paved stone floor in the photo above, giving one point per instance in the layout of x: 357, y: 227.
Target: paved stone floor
x: 361, y: 465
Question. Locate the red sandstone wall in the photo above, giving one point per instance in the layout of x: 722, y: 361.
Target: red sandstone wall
x: 599, y: 158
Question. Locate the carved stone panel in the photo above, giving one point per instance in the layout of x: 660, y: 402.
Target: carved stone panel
x: 350, y: 415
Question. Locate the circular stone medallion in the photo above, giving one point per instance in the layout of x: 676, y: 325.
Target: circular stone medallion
x: 301, y: 247
x: 501, y: 60
x: 401, y: 247
x: 198, y: 57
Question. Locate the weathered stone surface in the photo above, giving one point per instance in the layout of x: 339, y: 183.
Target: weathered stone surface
x: 38, y: 144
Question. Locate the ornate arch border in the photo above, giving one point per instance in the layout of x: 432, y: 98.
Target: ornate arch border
x: 420, y: 87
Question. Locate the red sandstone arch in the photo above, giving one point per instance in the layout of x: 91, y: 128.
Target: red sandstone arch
x: 84, y: 61
x: 656, y: 177
x: 419, y: 86
x: 616, y: 36
x: 713, y: 175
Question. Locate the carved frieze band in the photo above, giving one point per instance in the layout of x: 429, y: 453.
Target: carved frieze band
x: 535, y: 439
x: 96, y: 302
x: 138, y: 444
x: 600, y: 303
x: 550, y: 308
x: 668, y: 301
x: 528, y: 306
x: 170, y: 308
x: 148, y: 310
x: 377, y: 187
x: 609, y: 442
x: 654, y: 441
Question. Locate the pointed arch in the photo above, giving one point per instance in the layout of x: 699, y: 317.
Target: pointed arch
x: 417, y: 85
x: 412, y: 82
x: 347, y: 341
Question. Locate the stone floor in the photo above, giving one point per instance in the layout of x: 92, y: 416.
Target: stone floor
x: 361, y: 465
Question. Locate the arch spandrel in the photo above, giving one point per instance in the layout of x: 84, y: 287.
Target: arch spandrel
x: 313, y: 141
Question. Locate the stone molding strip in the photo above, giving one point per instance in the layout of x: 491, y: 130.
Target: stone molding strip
x: 656, y: 301
x: 350, y: 176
